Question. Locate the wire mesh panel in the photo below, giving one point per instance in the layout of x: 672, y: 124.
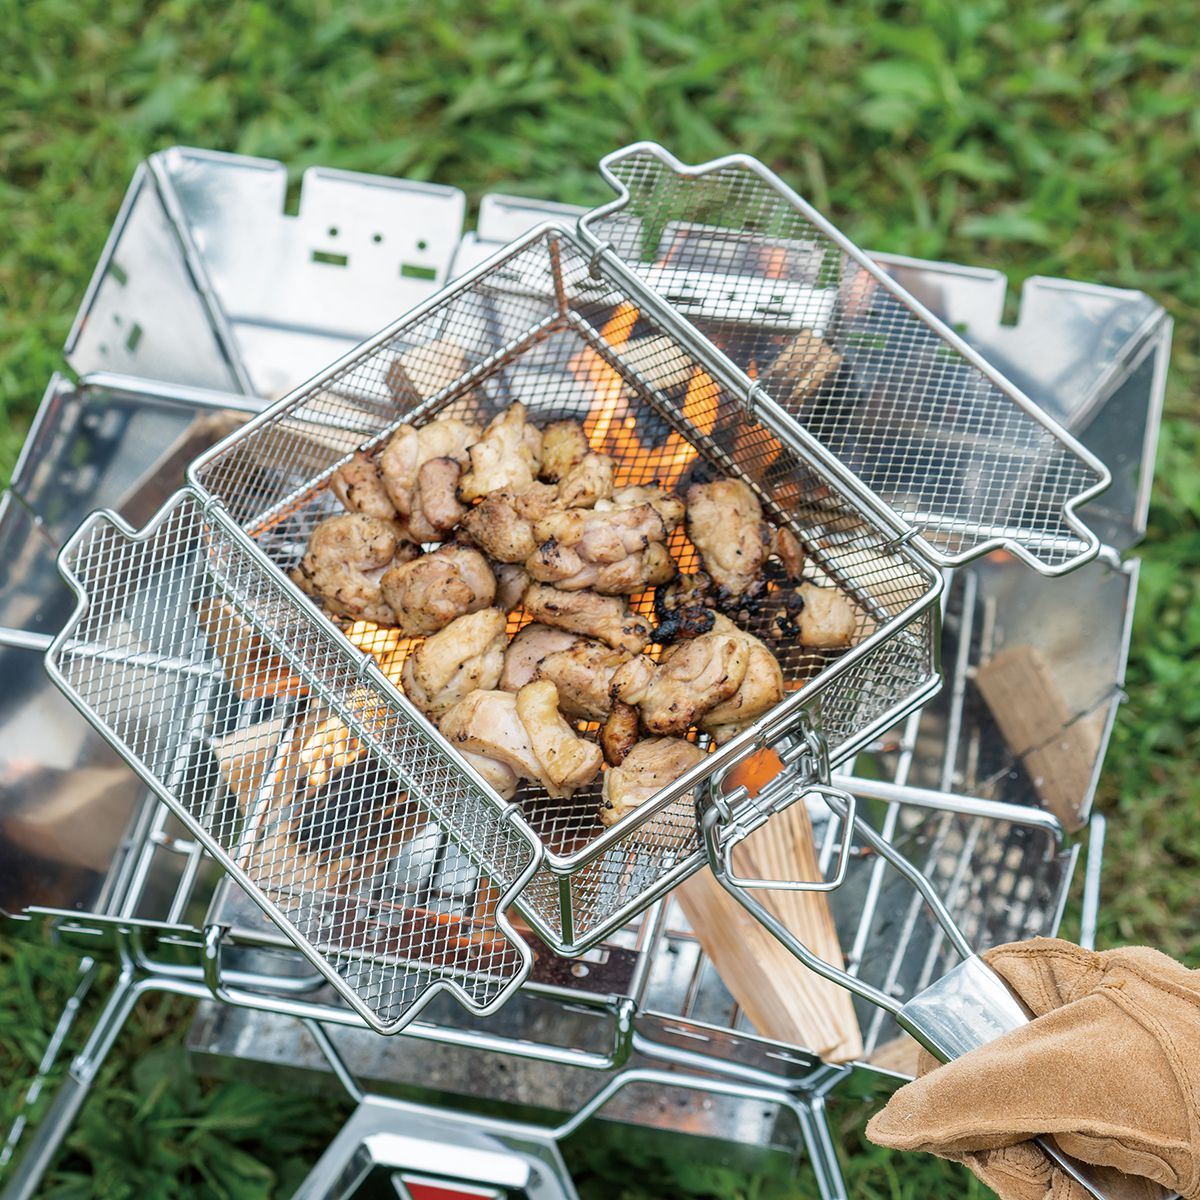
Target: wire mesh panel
x: 958, y: 451
x: 345, y: 843
x: 545, y: 326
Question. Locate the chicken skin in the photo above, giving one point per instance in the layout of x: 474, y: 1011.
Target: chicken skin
x: 465, y: 656
x: 618, y: 551
x: 502, y: 524
x: 410, y: 448
x: 527, y: 649
x: 761, y: 687
x: 606, y: 618
x: 526, y: 733
x: 429, y: 592
x: 692, y: 678
x: 725, y: 524
x: 649, y: 767
x: 619, y: 734
x: 508, y: 455
x: 345, y: 558
x: 583, y: 673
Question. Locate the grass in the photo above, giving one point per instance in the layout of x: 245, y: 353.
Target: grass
x: 1056, y: 139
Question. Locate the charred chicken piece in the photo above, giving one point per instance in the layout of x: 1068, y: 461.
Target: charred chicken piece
x: 683, y: 608
x: 606, y: 618
x: 619, y: 733
x: 429, y: 592
x: 467, y: 655
x: 345, y: 559
x: 725, y: 524
x: 511, y: 581
x: 410, y: 448
x: 761, y: 687
x: 526, y: 733
x: 649, y: 767
x: 692, y: 678
x: 502, y: 524
x: 619, y: 551
x: 828, y: 620
x: 359, y: 486
x: 564, y: 446
x: 587, y: 483
x: 669, y: 507
x: 583, y: 673
x: 786, y: 547
x: 527, y: 649
x: 507, y: 456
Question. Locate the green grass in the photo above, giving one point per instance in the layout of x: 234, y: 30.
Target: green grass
x: 1056, y: 139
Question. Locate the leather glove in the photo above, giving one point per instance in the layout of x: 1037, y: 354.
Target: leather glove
x: 1110, y: 1065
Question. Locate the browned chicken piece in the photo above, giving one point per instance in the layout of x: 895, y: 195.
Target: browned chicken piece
x: 564, y: 445
x: 526, y: 733
x: 828, y: 620
x: 583, y: 673
x: 507, y: 456
x: 683, y: 608
x: 511, y: 581
x: 761, y: 688
x: 502, y: 524
x: 725, y: 524
x: 692, y: 678
x: 527, y: 649
x: 468, y: 654
x: 619, y: 733
x: 649, y: 767
x: 786, y: 547
x: 359, y: 486
x: 606, y: 618
x: 568, y: 762
x: 587, y: 483
x: 428, y: 593
x: 410, y: 448
x: 669, y: 507
x: 345, y: 559
x: 618, y: 551
x: 500, y: 775
x: 436, y: 509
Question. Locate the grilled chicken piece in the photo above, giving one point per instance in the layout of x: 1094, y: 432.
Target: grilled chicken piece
x: 502, y: 525
x: 587, y: 483
x: 567, y: 761
x: 669, y: 507
x: 828, y: 620
x: 359, y: 486
x: 761, y: 688
x: 725, y: 523
x: 428, y: 593
x: 786, y: 547
x: 511, y: 581
x: 527, y: 649
x: 649, y: 767
x: 345, y: 558
x: 583, y: 673
x: 564, y: 445
x: 468, y: 654
x: 507, y: 456
x: 606, y: 618
x: 616, y: 552
x: 436, y: 509
x: 692, y: 678
x: 410, y: 448
x: 619, y: 734
x: 526, y: 733
x: 683, y: 608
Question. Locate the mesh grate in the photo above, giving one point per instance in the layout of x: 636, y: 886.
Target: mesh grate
x: 539, y: 326
x: 346, y: 844
x: 956, y: 450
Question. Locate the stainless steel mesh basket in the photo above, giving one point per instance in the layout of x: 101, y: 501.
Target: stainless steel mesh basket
x: 567, y: 327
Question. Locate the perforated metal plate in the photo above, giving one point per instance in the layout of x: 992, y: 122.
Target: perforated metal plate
x: 812, y: 324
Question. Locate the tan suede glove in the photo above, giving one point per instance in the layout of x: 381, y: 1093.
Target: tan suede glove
x: 1110, y: 1065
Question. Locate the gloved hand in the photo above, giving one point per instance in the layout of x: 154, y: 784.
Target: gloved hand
x: 1110, y: 1065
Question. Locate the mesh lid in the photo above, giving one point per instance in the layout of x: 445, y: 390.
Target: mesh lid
x: 191, y: 658
x: 814, y: 326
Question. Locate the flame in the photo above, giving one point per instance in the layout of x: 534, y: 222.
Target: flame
x: 608, y: 385
x: 755, y: 772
